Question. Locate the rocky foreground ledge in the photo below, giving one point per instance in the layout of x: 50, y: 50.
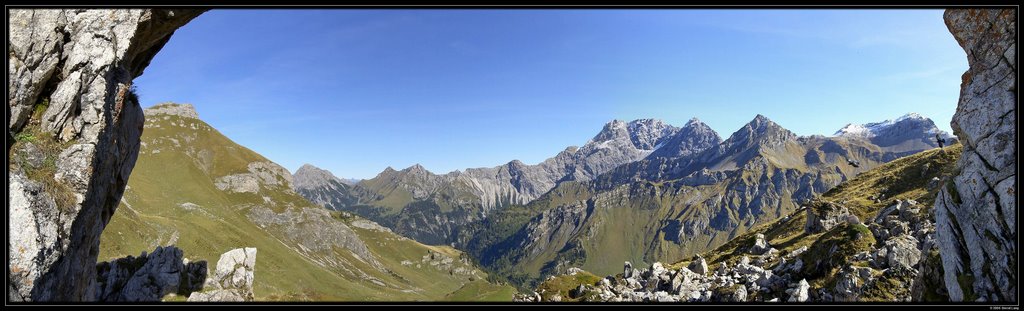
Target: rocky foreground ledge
x: 766, y: 274
x: 165, y: 273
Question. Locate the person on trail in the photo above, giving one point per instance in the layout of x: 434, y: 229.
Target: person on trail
x: 939, y: 140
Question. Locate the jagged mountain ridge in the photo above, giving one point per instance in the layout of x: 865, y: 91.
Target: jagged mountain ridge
x: 679, y: 200
x: 433, y: 208
x: 668, y: 208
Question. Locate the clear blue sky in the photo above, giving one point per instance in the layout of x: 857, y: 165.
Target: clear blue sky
x: 355, y: 91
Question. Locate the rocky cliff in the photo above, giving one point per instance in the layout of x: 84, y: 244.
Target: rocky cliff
x: 70, y: 75
x: 976, y: 211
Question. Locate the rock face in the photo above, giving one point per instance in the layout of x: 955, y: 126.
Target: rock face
x: 233, y: 278
x: 149, y: 278
x: 76, y: 67
x: 822, y: 216
x: 976, y: 211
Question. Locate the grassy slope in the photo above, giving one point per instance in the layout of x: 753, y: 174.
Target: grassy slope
x: 151, y: 215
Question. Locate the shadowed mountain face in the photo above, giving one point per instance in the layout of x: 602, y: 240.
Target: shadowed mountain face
x: 637, y: 191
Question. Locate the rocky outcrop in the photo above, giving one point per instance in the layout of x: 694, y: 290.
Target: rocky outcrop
x: 173, y: 109
x: 149, y: 277
x: 760, y: 245
x: 73, y: 68
x: 742, y: 282
x: 976, y: 210
x: 823, y: 216
x: 232, y: 280
x: 265, y: 174
x: 312, y: 231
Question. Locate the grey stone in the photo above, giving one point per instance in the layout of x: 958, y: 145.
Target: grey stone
x: 976, y: 214
x: 760, y: 245
x: 699, y: 266
x: 233, y: 278
x: 800, y: 292
x: 148, y: 277
x: 823, y: 216
x: 740, y: 295
x: 31, y: 155
x: 90, y: 57
x: 180, y: 110
x: 902, y: 252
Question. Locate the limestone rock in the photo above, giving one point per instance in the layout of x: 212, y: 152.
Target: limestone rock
x: 760, y: 245
x: 89, y: 58
x: 800, y: 292
x: 699, y: 266
x: 976, y: 213
x: 902, y: 252
x: 233, y: 278
x: 181, y: 110
x: 823, y: 216
x: 148, y: 277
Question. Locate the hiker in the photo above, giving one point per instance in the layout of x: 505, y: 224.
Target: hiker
x: 939, y: 140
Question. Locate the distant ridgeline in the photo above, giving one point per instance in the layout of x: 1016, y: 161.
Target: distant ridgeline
x: 639, y: 191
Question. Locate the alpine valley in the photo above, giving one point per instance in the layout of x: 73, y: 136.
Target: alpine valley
x: 639, y: 191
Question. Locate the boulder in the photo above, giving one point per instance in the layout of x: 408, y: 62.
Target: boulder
x: 800, y: 292
x: 148, y: 277
x: 902, y: 252
x: 233, y: 278
x: 824, y: 215
x: 740, y: 295
x: 760, y: 245
x: 699, y: 266
x: 848, y: 284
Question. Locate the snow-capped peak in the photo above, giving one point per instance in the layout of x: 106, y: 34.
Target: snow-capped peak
x: 873, y: 129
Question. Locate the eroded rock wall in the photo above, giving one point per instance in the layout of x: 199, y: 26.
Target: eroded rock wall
x: 69, y: 82
x: 976, y: 211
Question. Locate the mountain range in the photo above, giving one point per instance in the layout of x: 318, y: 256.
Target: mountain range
x: 638, y: 191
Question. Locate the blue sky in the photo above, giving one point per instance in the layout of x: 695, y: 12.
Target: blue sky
x: 355, y: 91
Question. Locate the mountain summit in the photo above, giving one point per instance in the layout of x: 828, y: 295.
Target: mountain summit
x: 904, y: 134
x: 692, y: 138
